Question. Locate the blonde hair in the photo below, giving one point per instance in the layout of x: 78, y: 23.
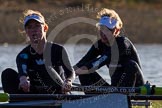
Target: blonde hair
x: 112, y: 14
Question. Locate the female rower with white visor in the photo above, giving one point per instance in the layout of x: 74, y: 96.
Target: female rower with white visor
x: 43, y: 66
x: 113, y: 50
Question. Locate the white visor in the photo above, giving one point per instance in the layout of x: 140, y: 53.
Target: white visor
x: 34, y: 17
x: 108, y: 22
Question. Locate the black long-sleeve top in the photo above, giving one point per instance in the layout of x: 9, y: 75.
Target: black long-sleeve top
x: 31, y: 64
x: 113, y: 56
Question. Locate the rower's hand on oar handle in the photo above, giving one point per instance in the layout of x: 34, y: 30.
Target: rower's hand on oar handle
x: 67, y: 86
x: 24, y: 84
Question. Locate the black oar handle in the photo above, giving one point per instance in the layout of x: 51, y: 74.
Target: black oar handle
x: 29, y: 97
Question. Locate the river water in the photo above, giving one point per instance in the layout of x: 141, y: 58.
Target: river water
x: 150, y: 55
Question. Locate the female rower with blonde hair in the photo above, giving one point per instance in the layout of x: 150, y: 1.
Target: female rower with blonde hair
x: 113, y: 50
x: 33, y: 75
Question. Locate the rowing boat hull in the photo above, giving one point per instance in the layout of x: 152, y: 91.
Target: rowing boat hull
x: 104, y: 101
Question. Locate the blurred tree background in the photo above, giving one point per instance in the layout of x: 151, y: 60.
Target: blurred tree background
x: 142, y: 18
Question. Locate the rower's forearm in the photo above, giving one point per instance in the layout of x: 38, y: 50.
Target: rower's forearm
x: 82, y: 70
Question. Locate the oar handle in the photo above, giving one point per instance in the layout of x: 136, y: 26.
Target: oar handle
x: 155, y: 91
x: 29, y: 97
